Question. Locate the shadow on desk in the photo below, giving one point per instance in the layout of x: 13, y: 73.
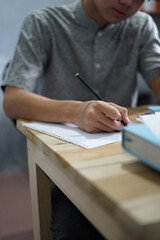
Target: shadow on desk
x: 143, y: 172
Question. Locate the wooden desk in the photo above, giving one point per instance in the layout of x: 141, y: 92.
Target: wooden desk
x: 117, y: 193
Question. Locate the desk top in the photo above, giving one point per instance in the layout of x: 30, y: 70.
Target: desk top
x: 123, y: 186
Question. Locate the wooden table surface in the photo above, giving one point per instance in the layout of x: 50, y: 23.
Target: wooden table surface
x: 116, y: 192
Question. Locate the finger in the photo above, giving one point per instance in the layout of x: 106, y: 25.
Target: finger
x: 123, y: 111
x: 108, y: 110
x: 115, y: 125
x: 99, y: 127
x: 108, y: 122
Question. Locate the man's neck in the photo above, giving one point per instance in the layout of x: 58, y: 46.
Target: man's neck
x: 92, y: 11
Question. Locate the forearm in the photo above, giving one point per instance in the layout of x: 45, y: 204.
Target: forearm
x: 20, y: 104
x: 91, y: 116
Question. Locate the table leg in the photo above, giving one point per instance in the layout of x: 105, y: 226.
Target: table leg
x: 40, y: 197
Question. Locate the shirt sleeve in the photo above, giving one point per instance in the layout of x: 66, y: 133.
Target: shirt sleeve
x: 149, y: 59
x: 31, y: 54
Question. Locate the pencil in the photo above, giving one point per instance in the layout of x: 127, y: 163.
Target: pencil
x: 93, y: 91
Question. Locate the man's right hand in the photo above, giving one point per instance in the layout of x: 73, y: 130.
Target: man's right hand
x: 98, y: 116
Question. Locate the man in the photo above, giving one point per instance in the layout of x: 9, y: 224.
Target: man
x: 108, y: 42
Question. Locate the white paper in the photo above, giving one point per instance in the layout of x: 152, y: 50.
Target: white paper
x: 158, y: 116
x: 153, y: 123
x: 71, y: 133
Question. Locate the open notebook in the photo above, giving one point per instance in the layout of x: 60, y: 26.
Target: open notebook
x: 71, y: 133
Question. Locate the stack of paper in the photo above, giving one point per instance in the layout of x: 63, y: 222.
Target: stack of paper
x: 152, y: 121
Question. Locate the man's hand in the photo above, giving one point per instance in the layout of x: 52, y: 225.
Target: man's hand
x: 98, y: 116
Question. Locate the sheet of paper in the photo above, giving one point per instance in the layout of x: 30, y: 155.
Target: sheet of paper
x: 153, y: 123
x: 158, y: 116
x: 71, y: 133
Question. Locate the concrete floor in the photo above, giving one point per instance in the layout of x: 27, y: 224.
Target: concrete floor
x: 15, y: 207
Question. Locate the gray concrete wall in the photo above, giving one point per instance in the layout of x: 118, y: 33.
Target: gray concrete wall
x: 13, y: 155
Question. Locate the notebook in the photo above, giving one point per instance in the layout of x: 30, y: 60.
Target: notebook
x: 143, y: 140
x: 71, y: 133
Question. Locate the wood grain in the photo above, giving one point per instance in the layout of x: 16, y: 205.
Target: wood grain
x: 116, y: 192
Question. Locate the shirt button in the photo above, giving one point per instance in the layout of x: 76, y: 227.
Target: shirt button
x: 100, y: 34
x: 97, y: 65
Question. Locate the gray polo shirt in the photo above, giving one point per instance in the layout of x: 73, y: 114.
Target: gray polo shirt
x: 57, y: 42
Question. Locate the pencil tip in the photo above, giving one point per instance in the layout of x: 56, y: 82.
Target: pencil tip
x: 76, y: 74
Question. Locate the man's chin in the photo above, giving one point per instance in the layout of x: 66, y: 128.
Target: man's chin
x: 116, y: 21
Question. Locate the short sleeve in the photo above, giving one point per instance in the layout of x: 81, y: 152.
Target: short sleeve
x: 31, y: 54
x: 149, y: 58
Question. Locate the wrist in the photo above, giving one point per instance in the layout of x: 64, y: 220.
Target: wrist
x: 69, y: 111
x: 79, y: 111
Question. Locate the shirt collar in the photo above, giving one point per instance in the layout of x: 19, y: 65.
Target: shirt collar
x: 84, y: 20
